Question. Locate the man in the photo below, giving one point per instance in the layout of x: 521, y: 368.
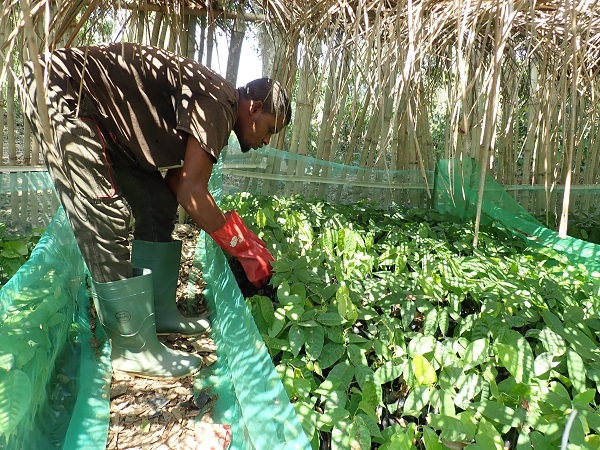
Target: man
x: 136, y: 130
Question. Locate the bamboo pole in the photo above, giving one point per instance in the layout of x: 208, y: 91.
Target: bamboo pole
x: 572, y: 124
x: 325, y: 129
x: 10, y: 116
x: 332, y: 144
x: 202, y: 42
x: 27, y: 160
x: 190, y: 50
x: 503, y: 26
x: 582, y: 130
x: 301, y: 129
x: 2, y: 97
x: 155, y: 34
x: 210, y: 43
x: 164, y: 30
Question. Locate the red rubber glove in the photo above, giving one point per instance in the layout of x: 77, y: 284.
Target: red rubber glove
x: 238, y: 241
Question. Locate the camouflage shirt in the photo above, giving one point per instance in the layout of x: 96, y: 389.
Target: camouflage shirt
x: 147, y: 100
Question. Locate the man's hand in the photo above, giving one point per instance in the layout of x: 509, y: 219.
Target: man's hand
x: 240, y: 242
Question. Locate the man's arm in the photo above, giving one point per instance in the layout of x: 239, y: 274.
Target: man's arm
x: 190, y: 184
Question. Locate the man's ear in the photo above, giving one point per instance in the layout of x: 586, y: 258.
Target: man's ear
x: 255, y: 106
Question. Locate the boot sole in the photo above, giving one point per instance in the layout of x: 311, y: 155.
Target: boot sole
x: 157, y: 378
x: 199, y: 333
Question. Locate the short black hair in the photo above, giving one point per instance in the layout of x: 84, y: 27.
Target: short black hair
x: 271, y: 93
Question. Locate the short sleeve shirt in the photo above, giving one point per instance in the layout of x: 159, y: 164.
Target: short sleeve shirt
x: 149, y: 100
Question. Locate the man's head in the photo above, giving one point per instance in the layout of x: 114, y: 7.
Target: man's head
x: 263, y: 110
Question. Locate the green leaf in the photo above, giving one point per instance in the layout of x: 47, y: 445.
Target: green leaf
x: 330, y: 319
x: 397, y: 439
x: 443, y: 401
x: 7, y: 362
x: 431, y: 322
x: 576, y: 370
x: 335, y: 334
x: 266, y: 308
x: 302, y: 387
x: 452, y: 429
x: 351, y: 242
x: 389, y: 371
x: 476, y: 353
x: 307, y: 415
x: 15, y: 396
x: 346, y: 308
x: 315, y: 336
x: 517, y: 358
x: 487, y: 437
x: 407, y: 310
x: 552, y: 342
x: 297, y: 338
x: 294, y: 312
x: 370, y: 424
x: 581, y: 343
x: 416, y: 401
x: 330, y: 354
x: 144, y: 425
x: 499, y: 413
x: 328, y: 240
x: 431, y: 440
x: 343, y: 373
x: 443, y: 321
x: 331, y: 417
x: 543, y: 364
x: 539, y: 441
x: 423, y: 370
x: 356, y: 355
x: 469, y: 385
x: 278, y: 322
x: 421, y: 345
x: 344, y: 436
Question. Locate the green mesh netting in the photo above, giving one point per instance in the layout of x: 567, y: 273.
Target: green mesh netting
x: 456, y: 192
x: 251, y: 396
x: 27, y: 201
x: 53, y: 384
x: 270, y: 171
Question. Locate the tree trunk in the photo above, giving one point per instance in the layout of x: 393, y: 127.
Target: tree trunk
x: 267, y: 50
x: 235, y: 50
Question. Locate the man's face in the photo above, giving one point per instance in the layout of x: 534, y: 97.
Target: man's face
x: 255, y: 126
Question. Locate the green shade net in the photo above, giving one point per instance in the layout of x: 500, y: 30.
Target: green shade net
x: 456, y: 192
x: 269, y: 171
x: 53, y: 382
x: 250, y: 394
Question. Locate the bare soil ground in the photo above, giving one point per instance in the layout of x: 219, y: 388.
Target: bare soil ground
x: 162, y: 415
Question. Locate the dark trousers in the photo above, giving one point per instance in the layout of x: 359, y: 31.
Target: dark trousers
x: 100, y: 186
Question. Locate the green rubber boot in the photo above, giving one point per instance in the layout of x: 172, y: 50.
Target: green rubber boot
x: 163, y: 258
x: 126, y: 311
